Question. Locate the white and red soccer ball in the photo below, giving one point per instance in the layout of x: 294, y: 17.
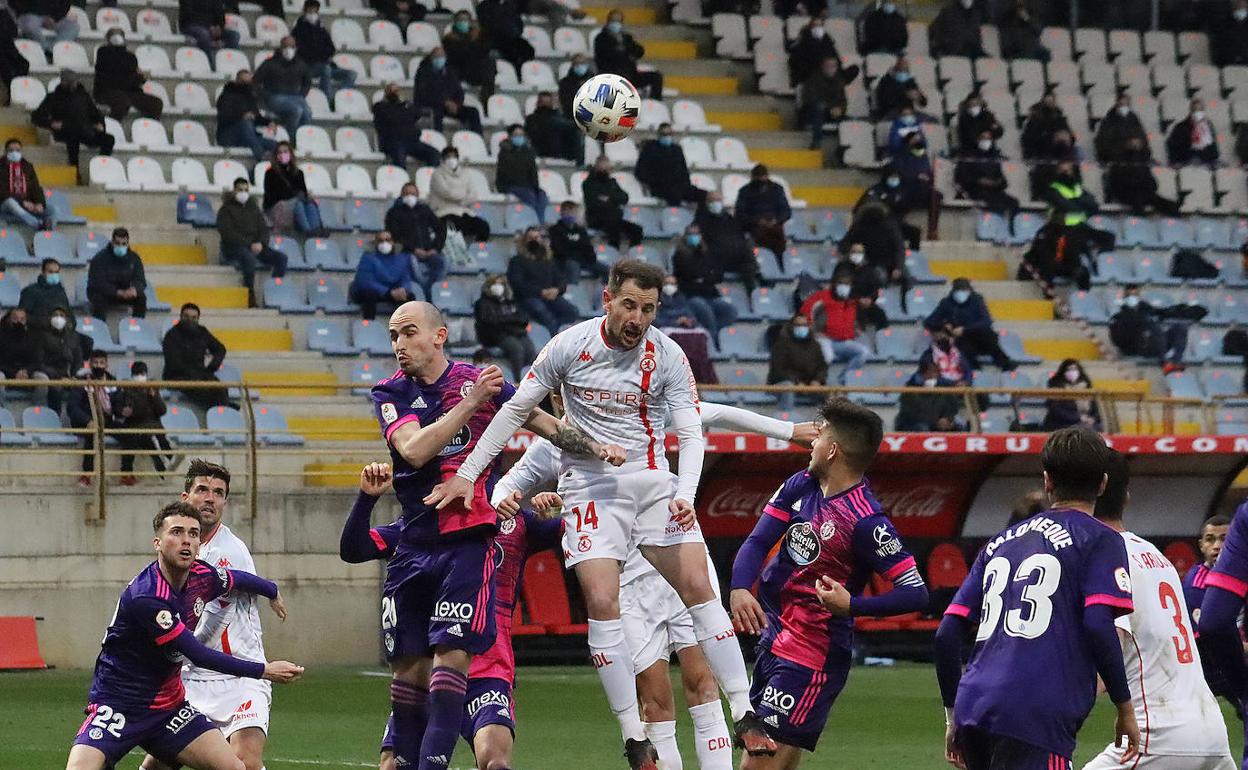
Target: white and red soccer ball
x: 606, y: 107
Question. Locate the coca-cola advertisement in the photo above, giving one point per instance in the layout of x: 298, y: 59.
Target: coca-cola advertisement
x: 728, y: 506
x: 925, y: 505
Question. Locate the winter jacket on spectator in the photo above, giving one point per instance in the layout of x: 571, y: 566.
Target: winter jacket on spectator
x: 568, y: 85
x: 40, y: 298
x: 1181, y: 142
x: 279, y: 76
x: 73, y: 107
x: 663, y: 169
x: 972, y: 314
x: 794, y: 360
x: 953, y: 366
x: 724, y: 237
x: 971, y: 126
x: 807, y: 53
x: 21, y: 348
x: 529, y: 276
x: 1129, y: 180
x: 840, y: 315
x: 1228, y: 40
x: 571, y: 243
x: 1042, y: 123
x: 617, y: 54
x: 109, y: 274
x: 378, y: 273
x: 517, y: 167
x: 500, y: 21
x: 1112, y: 134
x: 449, y: 192
x: 12, y: 63
x: 922, y: 411
x: 673, y: 309
x: 757, y: 201
x: 818, y: 88
x: 495, y: 317
x: 235, y: 101
x: 433, y: 87
x: 313, y: 43
x: 282, y: 183
x: 604, y: 199
x: 34, y: 192
x: 893, y: 94
x: 145, y: 405
x: 116, y: 68
x: 415, y: 227
x: 883, y: 32
x: 78, y: 405
x: 60, y: 352
x: 395, y: 121
x: 955, y: 32
x: 1020, y: 37
x: 55, y: 9
x: 186, y: 347
x: 201, y: 13
x: 697, y: 272
x: 876, y: 229
x: 241, y: 225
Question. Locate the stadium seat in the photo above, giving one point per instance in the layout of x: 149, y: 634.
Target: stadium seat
x: 361, y: 214
x: 146, y: 174
x: 50, y: 244
x: 518, y: 217
x: 27, y: 92
x: 742, y: 343
x: 1154, y: 270
x: 371, y: 337
x: 1113, y: 269
x: 1181, y: 555
x: 283, y: 295
x: 1217, y: 382
x: 190, y: 175
x: 327, y: 295
x: 450, y: 297
x: 1088, y: 306
x: 107, y: 172
x: 868, y: 378
x: 740, y: 376
x: 1184, y: 385
x: 353, y: 143
x: 946, y: 567
x: 272, y: 428
x: 9, y: 434
x: 771, y: 304
x: 289, y: 247
x: 1230, y: 422
x: 328, y: 337
x: 100, y: 336
x: 365, y: 376
x: 180, y: 425
x: 43, y: 425
x: 227, y: 425
x: 137, y: 335
x: 546, y: 595
x: 1012, y: 344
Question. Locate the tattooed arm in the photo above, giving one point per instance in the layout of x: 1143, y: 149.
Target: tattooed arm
x: 571, y: 439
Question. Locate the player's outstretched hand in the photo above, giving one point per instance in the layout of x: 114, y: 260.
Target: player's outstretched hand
x: 1125, y: 727
x: 282, y: 671
x: 376, y: 479
x: 747, y: 613
x: 832, y: 595
x: 279, y: 606
x: 489, y: 384
x: 804, y: 434
x: 454, y: 488
x: 509, y: 506
x: 953, y: 754
x: 546, y: 503
x: 612, y: 453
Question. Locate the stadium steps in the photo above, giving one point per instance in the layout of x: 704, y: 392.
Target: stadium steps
x: 779, y: 159
x: 171, y: 253
x: 973, y: 269
x: 340, y: 475
x: 207, y: 297
x: 19, y: 128
x: 1058, y: 349
x: 312, y: 383
x: 1021, y: 310
x: 318, y: 428
x: 635, y: 15
x: 57, y: 175
x: 192, y: 275
x: 822, y: 195
x: 255, y: 339
x: 702, y: 85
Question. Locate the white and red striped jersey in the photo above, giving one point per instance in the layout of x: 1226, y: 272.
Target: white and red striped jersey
x: 235, y: 618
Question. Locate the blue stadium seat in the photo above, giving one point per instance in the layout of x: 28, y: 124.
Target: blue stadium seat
x: 13, y: 248
x: 50, y: 244
x: 1113, y: 268
x: 371, y: 337
x: 1177, y: 233
x: 230, y: 373
x: 769, y: 266
x: 1220, y: 382
x: 487, y: 257
x: 607, y: 254
x: 813, y: 260
x: 518, y: 217
x: 154, y: 303
x: 919, y: 269
x: 327, y: 295
x: 328, y: 337
x: 867, y: 378
x: 1140, y: 231
x: 138, y: 335
x: 9, y: 434
x: 452, y: 297
x: 1158, y: 298
x: 1109, y: 224
x: 289, y: 247
x: 228, y: 425
x: 737, y: 376
x: 673, y: 220
x: 271, y: 427
x: 1212, y: 233
x: 364, y: 215
x: 364, y: 375
x: 280, y: 293
x: 989, y: 378
x: 332, y: 215
x: 896, y: 344
x: 1088, y: 306
x: 742, y: 343
x: 1232, y: 422
x: 1012, y: 344
x: 645, y: 217
x: 492, y: 214
x: 90, y: 243
x: 1202, y: 346
x: 579, y: 296
x: 539, y: 335
x: 991, y: 226
x: 10, y: 290
x: 830, y: 226
x: 100, y: 336
x: 649, y: 254
x: 996, y: 420
x: 61, y: 209
x: 195, y: 211
x: 1019, y: 380
x: 1155, y: 270
x: 895, y: 377
x: 735, y: 295
x: 1183, y: 385
x: 1026, y: 225
x: 324, y: 253
x: 774, y: 304
x: 920, y: 303
x: 37, y: 418
x: 179, y: 424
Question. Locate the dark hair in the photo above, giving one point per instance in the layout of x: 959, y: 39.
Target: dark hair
x: 176, y: 508
x: 567, y: 205
x: 311, y: 3
x: 200, y: 468
x: 49, y: 261
x: 188, y: 306
x: 242, y: 179
x: 1027, y: 506
x: 1113, y: 501
x: 97, y: 353
x: 12, y: 140
x: 138, y: 367
x: 450, y: 149
x: 121, y: 232
x: 857, y: 429
x: 1217, y: 520
x: 1076, y: 460
x: 644, y: 274
x: 664, y: 125
x: 512, y: 128
x: 1059, y: 381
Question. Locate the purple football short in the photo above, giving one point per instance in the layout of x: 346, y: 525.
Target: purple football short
x: 488, y: 703
x: 162, y: 733
x: 794, y: 701
x: 989, y: 751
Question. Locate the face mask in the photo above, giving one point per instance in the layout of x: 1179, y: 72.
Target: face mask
x: 58, y: 322
x: 1071, y: 375
x: 1131, y: 301
x: 715, y: 207
x: 116, y: 40
x: 242, y: 197
x: 139, y: 377
x: 409, y: 201
x: 462, y: 27
x: 497, y: 289
x: 974, y: 111
x: 518, y: 141
x: 908, y: 120
x: 888, y: 8
x: 902, y: 77
x: 385, y: 247
x: 968, y: 4
x: 842, y: 291
x: 1240, y: 14
x: 961, y: 295
x: 614, y: 27
x: 666, y: 141
x: 52, y: 279
x: 857, y: 257
x: 283, y: 157
x: 580, y: 69
x: 1124, y: 111
x: 694, y: 239
x: 669, y: 289
x: 929, y: 383
x: 120, y: 251
x: 312, y: 18
x: 98, y: 372
x: 985, y: 145
x: 452, y: 163
x: 918, y: 149
x: 892, y: 181
x: 14, y: 156
x: 288, y: 53
x: 1198, y: 115
x: 439, y: 62
x: 393, y: 96
x: 818, y: 32
x: 801, y: 332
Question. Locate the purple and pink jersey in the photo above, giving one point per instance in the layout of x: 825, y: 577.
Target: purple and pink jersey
x: 846, y: 537
x: 1230, y: 573
x: 401, y: 400
x: 1028, y: 589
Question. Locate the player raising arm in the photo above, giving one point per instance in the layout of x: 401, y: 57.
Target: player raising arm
x: 136, y: 696
x: 1225, y: 587
x: 1045, y: 592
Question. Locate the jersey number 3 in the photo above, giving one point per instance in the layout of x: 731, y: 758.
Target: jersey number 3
x: 1041, y: 573
x: 1170, y: 603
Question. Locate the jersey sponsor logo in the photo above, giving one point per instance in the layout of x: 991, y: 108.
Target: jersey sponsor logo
x: 419, y: 403
x: 452, y: 612
x: 490, y: 698
x: 507, y: 527
x: 164, y: 619
x: 827, y: 529
x: 244, y: 706
x: 181, y: 719
x: 885, y: 544
x: 801, y: 543
x: 389, y: 413
x: 199, y: 606
x: 1123, y: 579
x: 458, y: 443
x: 778, y: 700
x: 604, y: 397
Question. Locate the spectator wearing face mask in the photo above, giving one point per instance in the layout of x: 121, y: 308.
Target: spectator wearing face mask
x: 192, y: 353
x: 763, y: 208
x: 503, y: 29
x: 516, y: 172
x: 70, y: 113
x: 864, y: 284
x: 964, y: 316
x: 933, y: 412
x: 878, y: 229
x: 554, y: 135
x: 315, y: 47
x: 956, y: 31
x: 579, y: 71
x: 452, y: 201
x: 796, y: 359
x: 385, y: 275
x: 115, y: 278
x: 284, y: 81
x: 904, y: 127
x: 617, y: 53
x: 400, y: 12
x: 604, y: 205
x: 1044, y: 120
x: 896, y: 90
x: 675, y: 311
x: 419, y: 233
x: 239, y: 117
x: 82, y: 416
x: 61, y: 353
x: 539, y: 282
x: 698, y: 275
x: 978, y: 176
x: 203, y: 21
x: 21, y: 350
x: 808, y: 51
x: 140, y: 409
x: 245, y: 237
x: 1119, y: 126
x: 21, y: 197
x: 837, y: 335
x: 914, y: 168
x: 1228, y: 39
x: 882, y: 29
x: 1193, y: 139
x: 1069, y: 208
x: 973, y: 120
x: 118, y: 82
x: 1044, y: 170
x: 952, y: 364
x: 896, y: 200
x: 572, y: 246
x: 287, y: 203
x: 728, y: 240
x: 398, y: 136
x: 46, y: 294
x: 662, y: 169
x: 1130, y: 181
x: 1065, y: 412
x: 501, y: 322
x: 1140, y: 329
x: 1019, y: 35
x: 468, y: 53
x: 822, y: 97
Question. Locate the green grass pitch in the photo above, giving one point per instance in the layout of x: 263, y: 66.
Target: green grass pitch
x: 886, y: 718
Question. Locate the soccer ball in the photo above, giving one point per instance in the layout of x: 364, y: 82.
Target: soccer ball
x: 606, y: 107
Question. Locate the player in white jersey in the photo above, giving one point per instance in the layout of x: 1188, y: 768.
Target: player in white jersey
x: 1181, y: 725
x: 626, y: 383
x: 240, y: 707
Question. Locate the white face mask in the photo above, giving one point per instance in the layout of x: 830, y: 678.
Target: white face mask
x: 1071, y: 375
x: 242, y: 196
x: 288, y: 53
x: 117, y: 39
x: 857, y: 257
x: 968, y: 4
x: 842, y: 291
x: 1240, y: 14
x: 974, y: 110
x: 1198, y: 115
x: 985, y: 145
x: 385, y: 247
x: 929, y: 383
x: 139, y: 378
x: 409, y: 201
x: 452, y: 163
x: 818, y: 32
x: 312, y: 18
x: 1131, y: 301
x: 1124, y: 111
x: 58, y: 322
x: 669, y: 289
x: 497, y: 289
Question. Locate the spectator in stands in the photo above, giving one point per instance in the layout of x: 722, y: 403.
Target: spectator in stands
x: 864, y: 288
x: 914, y: 170
x: 61, y: 353
x: 905, y: 125
x: 539, y: 282
x: 1019, y: 35
x: 837, y: 338
x: 1228, y: 38
x: 964, y: 316
x: 877, y: 228
x: 83, y: 417
x: 763, y: 208
x: 822, y: 98
x: 579, y: 71
x: 1137, y: 329
x: 141, y: 409
x: 119, y: 81
x: 245, y: 237
x: 554, y: 134
x: 501, y: 322
x: 698, y: 276
x: 661, y: 167
x: 398, y: 136
x: 604, y: 205
x: 896, y: 200
x: 1069, y: 207
x: 1065, y: 412
x: 284, y: 82
x: 955, y: 30
x: 616, y: 53
x: 420, y: 234
x: 192, y: 353
x: 21, y: 197
x: 1130, y: 181
x: 385, y: 275
x: 400, y: 12
x: 952, y: 364
x: 978, y: 176
x: 451, y: 198
x: 115, y: 277
x: 469, y: 54
x: 882, y: 29
x: 70, y: 114
x: 896, y: 90
x: 47, y: 22
x: 12, y: 63
x: 21, y: 349
x: 675, y: 312
x: 929, y: 413
x: 974, y: 118
x: 46, y: 294
x: 287, y: 203
x: 203, y: 21
x: 315, y: 47
x: 728, y: 240
x: 502, y: 28
x: 516, y: 172
x: 1119, y: 126
x: 1193, y: 139
x: 554, y: 10
x: 572, y: 245
x: 796, y: 359
x: 808, y: 51
x: 1045, y: 120
x: 437, y: 90
x: 1044, y: 170
x: 239, y: 117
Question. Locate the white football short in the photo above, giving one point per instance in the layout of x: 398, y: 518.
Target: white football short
x: 232, y: 704
x: 606, y: 515
x: 1108, y: 760
x: 656, y: 622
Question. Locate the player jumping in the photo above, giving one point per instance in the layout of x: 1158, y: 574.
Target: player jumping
x: 1225, y: 587
x: 625, y: 381
x: 137, y: 697
x: 835, y: 537
x: 1045, y: 592
x: 1181, y: 727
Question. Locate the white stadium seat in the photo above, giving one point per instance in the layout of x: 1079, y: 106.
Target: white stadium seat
x: 191, y: 135
x: 390, y: 180
x: 354, y: 143
x: 224, y: 172
x: 146, y: 173
x: 189, y: 174
x: 191, y: 99
x: 107, y: 172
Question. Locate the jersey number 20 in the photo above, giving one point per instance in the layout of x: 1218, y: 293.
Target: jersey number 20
x: 1042, y: 573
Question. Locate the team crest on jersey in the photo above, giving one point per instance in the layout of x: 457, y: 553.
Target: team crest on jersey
x: 199, y: 606
x: 584, y: 544
x: 164, y: 619
x: 466, y: 388
x: 507, y: 527
x: 648, y: 364
x: 826, y: 530
x: 802, y: 544
x: 389, y: 642
x: 389, y: 413
x: 1123, y: 579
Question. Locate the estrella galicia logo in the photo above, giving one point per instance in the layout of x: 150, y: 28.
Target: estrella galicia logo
x: 802, y: 544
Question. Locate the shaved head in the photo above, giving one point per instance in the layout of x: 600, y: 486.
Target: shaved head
x: 417, y: 336
x: 422, y: 313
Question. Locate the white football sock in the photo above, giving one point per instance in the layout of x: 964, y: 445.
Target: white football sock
x: 615, y: 668
x: 710, y: 736
x: 663, y: 736
x: 718, y: 641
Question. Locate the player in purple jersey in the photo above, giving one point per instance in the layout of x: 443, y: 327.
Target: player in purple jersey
x: 1212, y: 537
x: 1225, y: 587
x: 1045, y: 593
x: 136, y: 696
x: 835, y: 537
